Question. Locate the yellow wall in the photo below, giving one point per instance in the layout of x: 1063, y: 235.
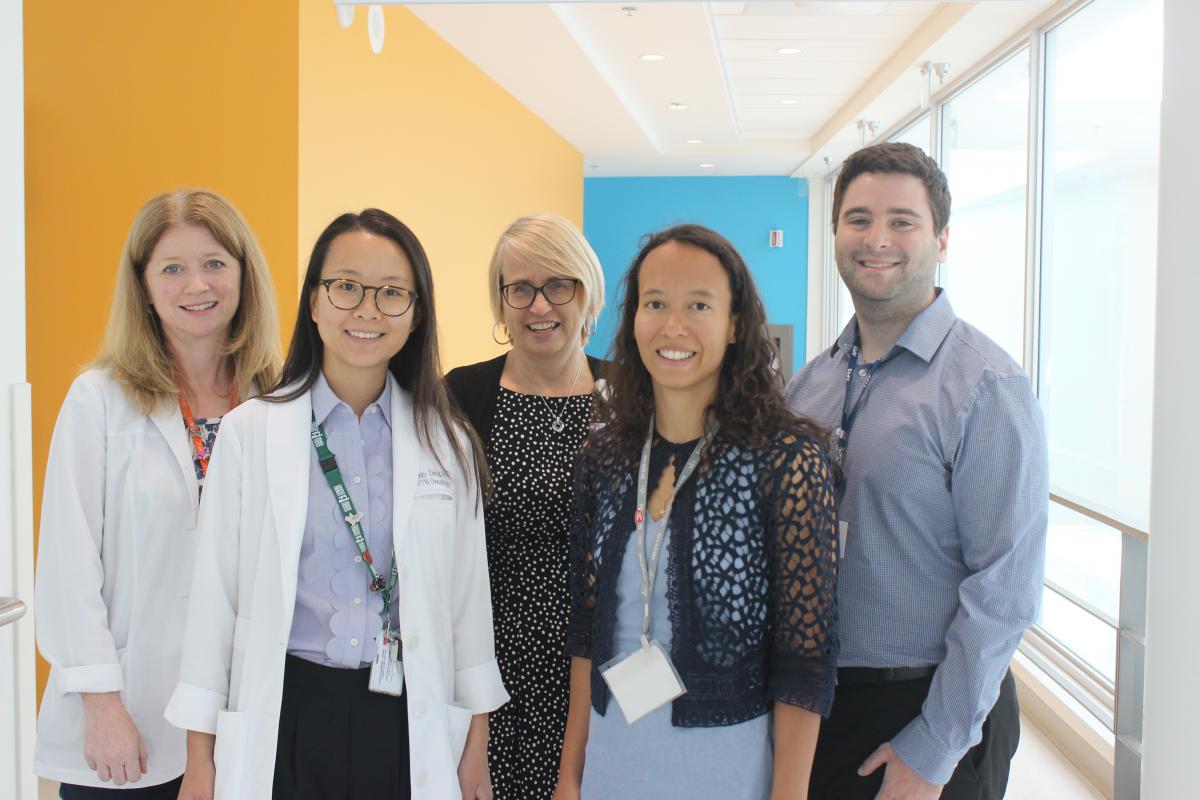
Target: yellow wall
x: 123, y: 101
x: 419, y: 131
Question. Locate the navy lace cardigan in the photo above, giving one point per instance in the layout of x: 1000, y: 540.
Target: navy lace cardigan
x: 751, y: 574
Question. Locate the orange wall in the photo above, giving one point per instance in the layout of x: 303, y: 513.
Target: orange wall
x: 274, y: 105
x: 127, y: 99
x: 421, y: 132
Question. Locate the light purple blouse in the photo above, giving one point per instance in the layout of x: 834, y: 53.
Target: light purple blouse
x: 337, y: 616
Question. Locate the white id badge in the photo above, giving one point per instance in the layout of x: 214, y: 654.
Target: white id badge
x: 643, y: 681
x: 843, y: 530
x: 387, y: 670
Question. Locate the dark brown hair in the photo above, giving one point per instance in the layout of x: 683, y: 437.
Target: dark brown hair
x: 749, y: 403
x: 905, y: 159
x: 416, y: 367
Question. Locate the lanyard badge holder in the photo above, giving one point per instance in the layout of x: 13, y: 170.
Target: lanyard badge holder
x: 646, y: 679
x: 387, y: 668
x: 841, y: 433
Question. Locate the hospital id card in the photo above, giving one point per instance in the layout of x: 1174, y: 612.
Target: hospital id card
x: 387, y: 670
x: 643, y: 681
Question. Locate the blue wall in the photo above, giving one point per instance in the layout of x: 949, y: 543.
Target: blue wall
x: 618, y: 211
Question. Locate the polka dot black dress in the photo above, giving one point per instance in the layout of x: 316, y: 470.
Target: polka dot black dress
x: 532, y: 448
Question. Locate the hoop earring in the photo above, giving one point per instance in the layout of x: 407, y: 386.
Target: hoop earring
x: 496, y: 338
x: 589, y: 327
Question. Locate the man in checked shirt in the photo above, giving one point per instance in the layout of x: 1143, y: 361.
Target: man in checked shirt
x: 943, y: 505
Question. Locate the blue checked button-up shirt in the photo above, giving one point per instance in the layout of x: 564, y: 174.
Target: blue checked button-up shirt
x: 946, y: 500
x: 337, y: 615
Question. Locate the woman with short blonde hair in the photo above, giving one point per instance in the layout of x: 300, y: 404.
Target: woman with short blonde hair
x: 191, y: 329
x: 559, y: 247
x: 531, y: 407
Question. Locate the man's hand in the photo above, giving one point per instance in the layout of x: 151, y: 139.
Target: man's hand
x: 899, y: 782
x: 112, y: 744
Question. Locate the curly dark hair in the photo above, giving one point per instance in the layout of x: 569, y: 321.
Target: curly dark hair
x: 749, y: 404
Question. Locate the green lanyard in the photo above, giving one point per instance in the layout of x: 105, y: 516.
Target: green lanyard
x: 353, y: 518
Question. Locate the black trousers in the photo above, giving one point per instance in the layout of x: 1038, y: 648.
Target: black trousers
x: 866, y: 716
x: 163, y: 791
x: 337, y: 739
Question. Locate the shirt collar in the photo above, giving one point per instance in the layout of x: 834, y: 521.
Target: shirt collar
x: 923, y: 336
x: 324, y: 401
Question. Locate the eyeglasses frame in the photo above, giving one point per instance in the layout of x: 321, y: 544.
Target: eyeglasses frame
x: 539, y: 290
x: 326, y: 282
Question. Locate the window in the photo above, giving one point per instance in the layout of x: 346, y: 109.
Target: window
x: 1099, y: 229
x: 916, y: 134
x: 984, y: 155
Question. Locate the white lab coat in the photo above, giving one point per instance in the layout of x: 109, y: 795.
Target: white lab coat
x: 244, y: 594
x: 114, y: 563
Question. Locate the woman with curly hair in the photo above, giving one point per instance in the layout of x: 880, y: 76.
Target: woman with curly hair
x: 721, y: 653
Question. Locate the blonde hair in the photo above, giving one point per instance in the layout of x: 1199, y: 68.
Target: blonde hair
x: 134, y: 349
x: 554, y: 243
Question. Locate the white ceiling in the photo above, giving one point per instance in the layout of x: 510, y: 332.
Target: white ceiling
x: 579, y: 67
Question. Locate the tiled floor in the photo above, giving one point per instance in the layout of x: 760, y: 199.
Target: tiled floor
x: 1040, y: 772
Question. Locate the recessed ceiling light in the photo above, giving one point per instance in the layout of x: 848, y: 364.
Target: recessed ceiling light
x: 707, y: 165
x: 653, y: 57
x: 788, y: 102
x: 676, y: 106
x: 695, y: 141
x: 788, y: 51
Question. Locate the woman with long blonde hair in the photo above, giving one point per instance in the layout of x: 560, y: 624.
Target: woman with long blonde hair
x: 191, y: 330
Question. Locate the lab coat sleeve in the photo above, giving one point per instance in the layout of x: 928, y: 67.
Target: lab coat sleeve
x: 203, y: 688
x: 72, y: 625
x: 477, y: 683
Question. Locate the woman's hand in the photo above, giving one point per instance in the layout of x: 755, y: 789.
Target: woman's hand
x: 474, y: 780
x: 112, y: 744
x: 200, y: 775
x: 795, y: 744
x: 566, y: 790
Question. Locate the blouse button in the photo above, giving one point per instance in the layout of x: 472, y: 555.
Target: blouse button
x: 358, y: 478
x: 354, y: 642
x: 357, y: 559
x: 358, y: 601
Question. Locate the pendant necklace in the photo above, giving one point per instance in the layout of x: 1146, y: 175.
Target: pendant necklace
x: 556, y: 424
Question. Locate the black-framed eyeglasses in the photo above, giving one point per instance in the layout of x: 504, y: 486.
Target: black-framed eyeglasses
x: 347, y: 294
x: 557, y: 291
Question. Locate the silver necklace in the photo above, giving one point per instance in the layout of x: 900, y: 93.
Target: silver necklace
x: 556, y: 423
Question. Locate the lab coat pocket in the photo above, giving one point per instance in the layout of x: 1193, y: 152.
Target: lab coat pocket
x: 458, y: 721
x: 229, y: 754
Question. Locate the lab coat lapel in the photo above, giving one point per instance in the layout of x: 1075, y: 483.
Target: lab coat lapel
x: 288, y: 443
x: 406, y: 455
x: 169, y: 421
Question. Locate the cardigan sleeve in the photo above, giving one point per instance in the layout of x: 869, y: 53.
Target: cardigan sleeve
x: 475, y: 388
x: 802, y: 535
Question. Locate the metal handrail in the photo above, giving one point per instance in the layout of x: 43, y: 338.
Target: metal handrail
x: 11, y: 610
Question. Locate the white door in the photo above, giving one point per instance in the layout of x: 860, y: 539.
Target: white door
x: 17, y: 681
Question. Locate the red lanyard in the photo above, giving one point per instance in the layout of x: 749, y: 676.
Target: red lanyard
x: 197, y: 435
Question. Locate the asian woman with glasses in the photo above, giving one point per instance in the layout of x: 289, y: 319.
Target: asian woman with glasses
x: 531, y: 407
x: 339, y: 639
